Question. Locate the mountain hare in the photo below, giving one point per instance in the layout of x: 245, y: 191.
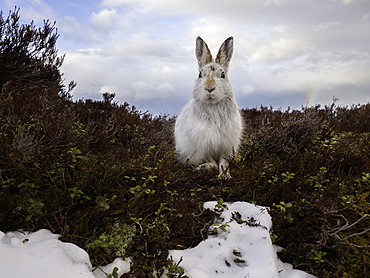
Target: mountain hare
x: 209, y: 128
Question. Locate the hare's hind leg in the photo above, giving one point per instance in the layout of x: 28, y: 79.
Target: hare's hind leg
x: 209, y: 164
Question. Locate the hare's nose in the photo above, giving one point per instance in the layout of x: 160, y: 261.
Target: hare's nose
x: 210, y: 89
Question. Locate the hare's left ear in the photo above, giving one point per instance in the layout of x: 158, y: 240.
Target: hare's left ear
x: 202, y: 53
x: 225, y: 53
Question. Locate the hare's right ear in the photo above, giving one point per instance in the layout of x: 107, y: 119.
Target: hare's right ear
x: 224, y: 54
x: 202, y: 53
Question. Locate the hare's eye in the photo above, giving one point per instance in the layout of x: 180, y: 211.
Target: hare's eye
x: 223, y: 75
x: 200, y: 75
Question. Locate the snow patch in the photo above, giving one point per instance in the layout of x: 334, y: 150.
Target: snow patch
x: 241, y: 247
x: 42, y: 255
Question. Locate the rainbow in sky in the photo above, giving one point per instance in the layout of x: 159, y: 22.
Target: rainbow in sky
x: 312, y: 95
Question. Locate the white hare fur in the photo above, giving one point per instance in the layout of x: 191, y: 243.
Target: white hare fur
x: 209, y: 128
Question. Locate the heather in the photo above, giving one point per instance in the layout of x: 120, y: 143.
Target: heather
x: 104, y: 175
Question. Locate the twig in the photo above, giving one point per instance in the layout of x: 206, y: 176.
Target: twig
x: 334, y: 232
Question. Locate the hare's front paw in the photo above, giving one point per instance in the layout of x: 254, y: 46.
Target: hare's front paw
x: 224, y: 173
x: 208, y: 165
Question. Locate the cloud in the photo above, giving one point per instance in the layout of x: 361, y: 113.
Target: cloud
x: 190, y: 6
x: 139, y: 80
x: 104, y: 19
x: 35, y: 10
x: 278, y: 51
x: 247, y: 89
x: 144, y: 46
x: 144, y: 91
x: 143, y: 50
x: 324, y: 26
x: 345, y: 1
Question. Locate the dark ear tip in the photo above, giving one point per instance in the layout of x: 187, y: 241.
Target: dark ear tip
x: 230, y: 39
x: 199, y: 39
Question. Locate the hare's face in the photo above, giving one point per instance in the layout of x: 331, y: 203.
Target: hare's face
x: 212, y: 85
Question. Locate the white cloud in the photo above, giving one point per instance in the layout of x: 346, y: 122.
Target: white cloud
x: 72, y: 28
x: 325, y: 26
x: 280, y: 49
x: 104, y: 19
x: 247, y: 89
x: 135, y: 79
x: 145, y: 92
x: 169, y: 6
x: 141, y: 45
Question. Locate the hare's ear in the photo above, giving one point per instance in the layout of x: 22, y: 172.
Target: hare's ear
x: 225, y: 53
x: 202, y: 52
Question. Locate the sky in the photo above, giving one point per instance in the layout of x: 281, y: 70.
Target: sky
x: 236, y: 249
x: 287, y: 53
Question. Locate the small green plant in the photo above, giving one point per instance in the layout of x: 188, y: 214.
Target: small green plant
x: 141, y: 189
x: 114, y: 273
x: 162, y: 208
x: 325, y: 144
x: 103, y: 202
x: 365, y: 178
x: 273, y: 179
x: 268, y: 167
x: 79, y: 128
x: 116, y: 241
x: 220, y: 206
x: 34, y: 209
x: 287, y: 177
x: 319, y: 181
x: 347, y: 199
x: 273, y: 237
x: 76, y: 155
x: 317, y: 256
x: 195, y: 191
x: 8, y: 183
x: 237, y: 217
x: 77, y: 194
x: 219, y: 226
x: 284, y: 207
x: 174, y: 270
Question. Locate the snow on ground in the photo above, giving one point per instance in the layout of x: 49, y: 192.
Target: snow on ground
x: 239, y: 248
x: 42, y: 255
